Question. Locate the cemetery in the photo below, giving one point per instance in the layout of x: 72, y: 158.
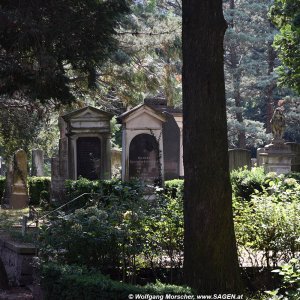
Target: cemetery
x: 150, y: 150
x: 140, y: 213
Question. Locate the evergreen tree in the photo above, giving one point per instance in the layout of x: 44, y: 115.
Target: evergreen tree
x: 285, y: 15
x: 48, y: 48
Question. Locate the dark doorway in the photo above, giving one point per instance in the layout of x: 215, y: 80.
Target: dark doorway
x: 88, y: 157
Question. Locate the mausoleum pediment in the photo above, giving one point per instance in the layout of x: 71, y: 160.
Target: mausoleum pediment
x: 143, y: 117
x: 87, y: 113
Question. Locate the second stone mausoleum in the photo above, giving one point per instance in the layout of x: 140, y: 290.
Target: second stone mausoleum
x: 84, y: 147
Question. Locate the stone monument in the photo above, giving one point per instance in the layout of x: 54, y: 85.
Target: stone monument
x: 277, y: 156
x: 84, y: 148
x: 19, y: 194
x: 37, y: 163
x: 152, y: 142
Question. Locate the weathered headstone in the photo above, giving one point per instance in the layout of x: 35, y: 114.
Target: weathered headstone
x: 37, y: 163
x: 144, y: 159
x: 19, y: 194
x: 239, y: 158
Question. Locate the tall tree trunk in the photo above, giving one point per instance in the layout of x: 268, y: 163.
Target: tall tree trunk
x: 210, y: 256
x: 270, y: 87
x: 236, y: 79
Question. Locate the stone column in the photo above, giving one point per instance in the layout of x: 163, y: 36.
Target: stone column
x: 37, y: 163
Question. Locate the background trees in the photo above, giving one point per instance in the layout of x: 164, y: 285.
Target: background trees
x: 286, y: 16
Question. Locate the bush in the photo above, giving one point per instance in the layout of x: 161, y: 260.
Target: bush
x: 2, y: 186
x: 174, y: 188
x: 105, y: 191
x: 72, y: 282
x: 39, y: 189
x: 290, y: 288
x: 269, y: 223
x: 245, y: 182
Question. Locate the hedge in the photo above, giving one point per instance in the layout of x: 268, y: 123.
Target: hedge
x: 73, y: 282
x: 39, y: 189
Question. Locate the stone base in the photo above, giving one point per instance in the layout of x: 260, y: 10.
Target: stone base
x: 18, y: 201
x: 276, y: 158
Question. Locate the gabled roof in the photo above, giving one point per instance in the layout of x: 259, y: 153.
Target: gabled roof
x: 70, y: 115
x: 154, y: 111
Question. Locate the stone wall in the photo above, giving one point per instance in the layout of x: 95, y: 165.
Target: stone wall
x: 17, y: 259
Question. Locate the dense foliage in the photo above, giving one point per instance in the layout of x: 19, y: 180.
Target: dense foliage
x: 285, y: 15
x: 48, y: 47
x: 72, y: 282
x: 117, y: 228
x: 290, y: 289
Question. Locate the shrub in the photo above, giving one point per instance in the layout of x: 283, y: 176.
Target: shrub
x: 269, y: 222
x: 88, y: 237
x: 245, y: 182
x: 39, y: 189
x: 73, y: 282
x: 2, y: 186
x: 174, y: 188
x: 105, y: 191
x: 290, y: 288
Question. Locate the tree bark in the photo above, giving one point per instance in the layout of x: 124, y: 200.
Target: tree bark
x: 210, y: 256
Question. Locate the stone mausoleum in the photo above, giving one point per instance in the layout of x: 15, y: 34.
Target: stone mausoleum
x: 84, y: 148
x: 152, y: 142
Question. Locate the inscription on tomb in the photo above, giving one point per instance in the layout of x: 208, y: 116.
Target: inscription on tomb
x: 143, y: 159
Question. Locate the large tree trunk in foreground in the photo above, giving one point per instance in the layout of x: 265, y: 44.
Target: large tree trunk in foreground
x: 210, y: 258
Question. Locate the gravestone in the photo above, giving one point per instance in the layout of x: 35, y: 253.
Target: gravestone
x: 19, y: 194
x: 37, y: 163
x: 144, y: 159
x: 239, y: 158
